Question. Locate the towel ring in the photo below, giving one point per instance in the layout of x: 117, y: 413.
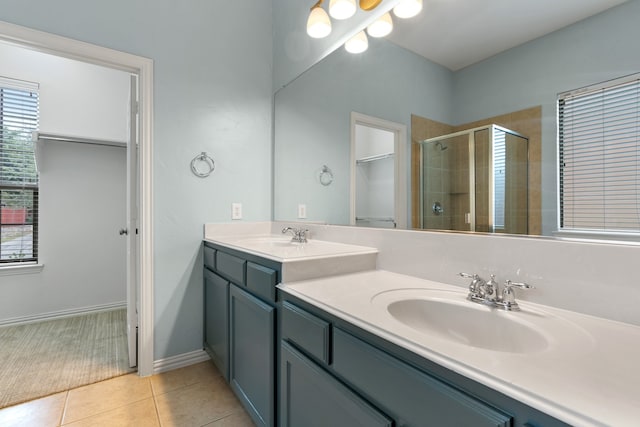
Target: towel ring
x: 326, y: 176
x: 209, y: 164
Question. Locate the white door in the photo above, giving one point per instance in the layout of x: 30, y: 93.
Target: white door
x: 132, y: 225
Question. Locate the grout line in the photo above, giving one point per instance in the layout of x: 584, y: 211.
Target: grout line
x: 64, y: 407
x: 155, y: 406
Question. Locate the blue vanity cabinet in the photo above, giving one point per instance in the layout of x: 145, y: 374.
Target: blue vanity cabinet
x: 321, y: 351
x: 240, y: 326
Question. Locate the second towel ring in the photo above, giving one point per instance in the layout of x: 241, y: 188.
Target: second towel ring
x: 325, y: 176
x: 209, y: 167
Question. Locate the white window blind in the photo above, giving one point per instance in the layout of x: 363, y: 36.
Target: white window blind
x: 499, y: 175
x: 18, y: 175
x: 599, y: 156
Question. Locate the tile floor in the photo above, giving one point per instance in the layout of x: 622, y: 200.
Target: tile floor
x: 196, y: 395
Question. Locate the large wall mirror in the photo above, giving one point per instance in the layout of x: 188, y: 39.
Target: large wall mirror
x: 442, y: 101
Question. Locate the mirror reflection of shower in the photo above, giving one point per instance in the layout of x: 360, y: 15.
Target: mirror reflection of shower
x: 475, y: 180
x: 440, y: 145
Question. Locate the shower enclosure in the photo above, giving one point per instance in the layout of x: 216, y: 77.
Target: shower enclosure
x: 475, y: 180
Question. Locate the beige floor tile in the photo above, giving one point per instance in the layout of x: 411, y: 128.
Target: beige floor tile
x: 239, y: 419
x: 138, y: 414
x: 197, y: 404
x: 104, y: 396
x: 182, y: 377
x: 43, y: 412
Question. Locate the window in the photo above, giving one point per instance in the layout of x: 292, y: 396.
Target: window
x: 18, y: 175
x: 599, y: 158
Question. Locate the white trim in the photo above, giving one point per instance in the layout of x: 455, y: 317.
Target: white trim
x: 19, y: 84
x: 400, y: 168
x: 53, y: 315
x: 179, y: 361
x: 143, y: 67
x: 13, y: 269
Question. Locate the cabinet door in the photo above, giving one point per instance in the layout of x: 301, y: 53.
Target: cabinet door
x: 252, y: 337
x: 216, y: 320
x: 310, y: 397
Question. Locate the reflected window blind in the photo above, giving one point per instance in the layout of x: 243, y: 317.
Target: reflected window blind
x: 18, y: 174
x: 599, y: 156
x: 499, y: 169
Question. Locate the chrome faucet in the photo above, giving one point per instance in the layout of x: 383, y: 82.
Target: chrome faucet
x: 299, y: 235
x: 489, y: 293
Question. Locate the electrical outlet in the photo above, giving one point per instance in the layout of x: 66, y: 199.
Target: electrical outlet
x: 236, y: 210
x: 302, y: 211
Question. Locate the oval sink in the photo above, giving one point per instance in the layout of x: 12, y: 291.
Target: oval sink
x: 469, y: 323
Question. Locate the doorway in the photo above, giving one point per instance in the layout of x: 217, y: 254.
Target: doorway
x: 378, y: 173
x: 140, y: 229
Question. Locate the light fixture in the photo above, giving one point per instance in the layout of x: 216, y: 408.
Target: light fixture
x: 357, y: 43
x: 318, y: 24
x: 342, y: 9
x: 408, y: 8
x: 381, y: 26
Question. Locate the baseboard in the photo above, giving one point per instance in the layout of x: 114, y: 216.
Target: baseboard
x: 62, y: 313
x: 179, y: 361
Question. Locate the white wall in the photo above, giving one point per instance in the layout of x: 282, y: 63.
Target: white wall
x: 76, y: 98
x: 82, y: 188
x: 212, y: 92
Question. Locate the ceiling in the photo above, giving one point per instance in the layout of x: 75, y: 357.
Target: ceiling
x: 458, y: 33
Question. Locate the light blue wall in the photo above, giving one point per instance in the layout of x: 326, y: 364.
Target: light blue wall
x: 212, y: 92
x: 594, y: 50
x: 312, y: 125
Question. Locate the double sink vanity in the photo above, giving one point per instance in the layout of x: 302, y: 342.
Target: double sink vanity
x: 312, y: 334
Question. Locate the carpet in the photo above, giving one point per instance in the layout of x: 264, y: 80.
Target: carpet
x: 42, y: 358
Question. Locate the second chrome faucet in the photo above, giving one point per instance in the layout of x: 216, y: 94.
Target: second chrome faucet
x: 299, y: 234
x: 489, y: 292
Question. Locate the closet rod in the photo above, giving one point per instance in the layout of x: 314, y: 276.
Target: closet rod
x: 77, y: 140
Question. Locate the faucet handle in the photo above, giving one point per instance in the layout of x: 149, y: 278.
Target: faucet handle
x: 508, y: 297
x: 476, y: 284
x: 509, y: 284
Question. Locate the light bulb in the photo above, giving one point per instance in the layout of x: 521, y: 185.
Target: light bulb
x: 408, y: 8
x: 342, y: 9
x: 357, y: 43
x: 318, y: 24
x: 381, y: 26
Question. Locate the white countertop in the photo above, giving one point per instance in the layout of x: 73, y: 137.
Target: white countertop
x: 300, y: 261
x: 282, y: 249
x: 587, y: 375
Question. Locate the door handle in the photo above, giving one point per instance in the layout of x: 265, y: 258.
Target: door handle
x: 124, y: 231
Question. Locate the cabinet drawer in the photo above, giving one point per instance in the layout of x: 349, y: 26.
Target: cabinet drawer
x: 310, y: 333
x: 209, y: 257
x: 410, y: 396
x: 232, y: 267
x: 261, y: 280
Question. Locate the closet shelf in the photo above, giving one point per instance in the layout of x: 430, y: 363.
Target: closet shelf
x: 374, y: 158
